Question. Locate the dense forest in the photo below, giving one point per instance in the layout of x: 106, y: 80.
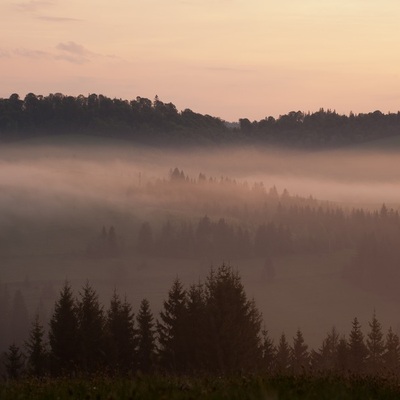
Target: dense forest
x: 147, y: 121
x: 212, y: 327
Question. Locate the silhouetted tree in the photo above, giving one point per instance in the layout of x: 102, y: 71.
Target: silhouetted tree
x: 90, y: 330
x: 145, y: 338
x: 171, y: 329
x: 391, y: 355
x: 299, y: 357
x: 63, y: 334
x: 231, y: 349
x: 375, y: 347
x: 120, y: 328
x: 14, y: 362
x: 357, y: 349
x: 283, y: 355
x: 37, y: 355
x: 268, y: 353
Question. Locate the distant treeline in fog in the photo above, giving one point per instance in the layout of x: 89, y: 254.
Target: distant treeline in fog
x: 208, y: 328
x: 147, y: 121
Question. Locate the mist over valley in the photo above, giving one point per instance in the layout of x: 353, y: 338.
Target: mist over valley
x: 58, y: 196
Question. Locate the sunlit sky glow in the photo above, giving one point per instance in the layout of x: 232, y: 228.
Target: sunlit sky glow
x: 227, y: 58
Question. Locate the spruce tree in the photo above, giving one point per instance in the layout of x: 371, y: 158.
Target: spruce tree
x: 196, y: 328
x: 234, y: 324
x: 268, y: 353
x: 14, y: 362
x: 299, y: 357
x: 342, y: 356
x: 36, y: 350
x: 121, y: 340
x: 283, y: 355
x: 375, y: 346
x: 90, y: 330
x: 63, y: 334
x: 357, y: 349
x: 325, y: 359
x: 171, y: 330
x: 391, y: 355
x: 145, y: 338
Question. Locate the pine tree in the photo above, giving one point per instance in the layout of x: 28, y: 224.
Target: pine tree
x: 36, y: 350
x: 90, y: 330
x: 325, y: 359
x: 19, y: 319
x: 299, y: 357
x: 171, y: 327
x: 63, y: 334
x: 342, y: 356
x: 14, y: 362
x: 268, y: 353
x: 375, y: 346
x: 234, y: 324
x: 357, y: 349
x: 120, y: 329
x: 146, y: 338
x: 196, y: 327
x: 391, y: 356
x: 283, y: 355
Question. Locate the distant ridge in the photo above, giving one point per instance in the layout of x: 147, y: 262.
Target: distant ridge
x: 157, y: 123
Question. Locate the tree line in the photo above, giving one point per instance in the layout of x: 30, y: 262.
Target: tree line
x: 146, y: 120
x: 210, y: 328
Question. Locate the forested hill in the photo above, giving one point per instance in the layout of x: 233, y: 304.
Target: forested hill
x: 156, y: 122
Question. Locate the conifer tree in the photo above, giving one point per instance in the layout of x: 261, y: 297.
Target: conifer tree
x: 36, y: 350
x: 357, y: 349
x: 283, y: 355
x: 145, y: 338
x: 234, y: 324
x: 171, y: 329
x: 120, y: 330
x: 391, y: 355
x: 325, y: 359
x: 268, y: 353
x: 342, y: 356
x: 14, y: 362
x: 90, y: 330
x: 299, y: 357
x: 375, y: 346
x: 63, y: 334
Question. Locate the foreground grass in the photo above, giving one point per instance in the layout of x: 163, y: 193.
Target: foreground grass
x: 251, y: 388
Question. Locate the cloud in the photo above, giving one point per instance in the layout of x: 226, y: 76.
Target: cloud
x: 57, y: 19
x: 74, y: 52
x: 31, y: 53
x: 33, y: 6
x: 4, y: 53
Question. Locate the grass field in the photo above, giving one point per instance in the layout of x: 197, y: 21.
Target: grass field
x: 241, y: 388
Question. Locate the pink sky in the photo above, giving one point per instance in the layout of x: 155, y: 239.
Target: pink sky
x: 227, y: 58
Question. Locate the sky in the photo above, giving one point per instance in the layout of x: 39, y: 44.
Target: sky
x: 227, y: 58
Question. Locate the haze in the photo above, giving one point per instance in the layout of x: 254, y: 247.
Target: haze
x: 55, y: 197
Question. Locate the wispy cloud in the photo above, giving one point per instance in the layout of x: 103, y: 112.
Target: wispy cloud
x: 74, y: 52
x: 34, y: 5
x: 38, y: 9
x: 64, y: 51
x: 57, y: 19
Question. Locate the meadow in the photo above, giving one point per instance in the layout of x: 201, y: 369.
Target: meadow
x: 173, y: 388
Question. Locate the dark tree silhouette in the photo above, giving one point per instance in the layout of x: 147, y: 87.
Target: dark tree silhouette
x: 37, y: 354
x: 90, y: 330
x: 63, y: 334
x: 14, y: 362
x: 146, y: 346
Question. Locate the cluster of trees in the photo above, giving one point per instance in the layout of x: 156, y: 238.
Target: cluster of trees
x: 140, y: 119
x: 218, y: 239
x: 322, y: 128
x: 146, y: 120
x: 209, y: 328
